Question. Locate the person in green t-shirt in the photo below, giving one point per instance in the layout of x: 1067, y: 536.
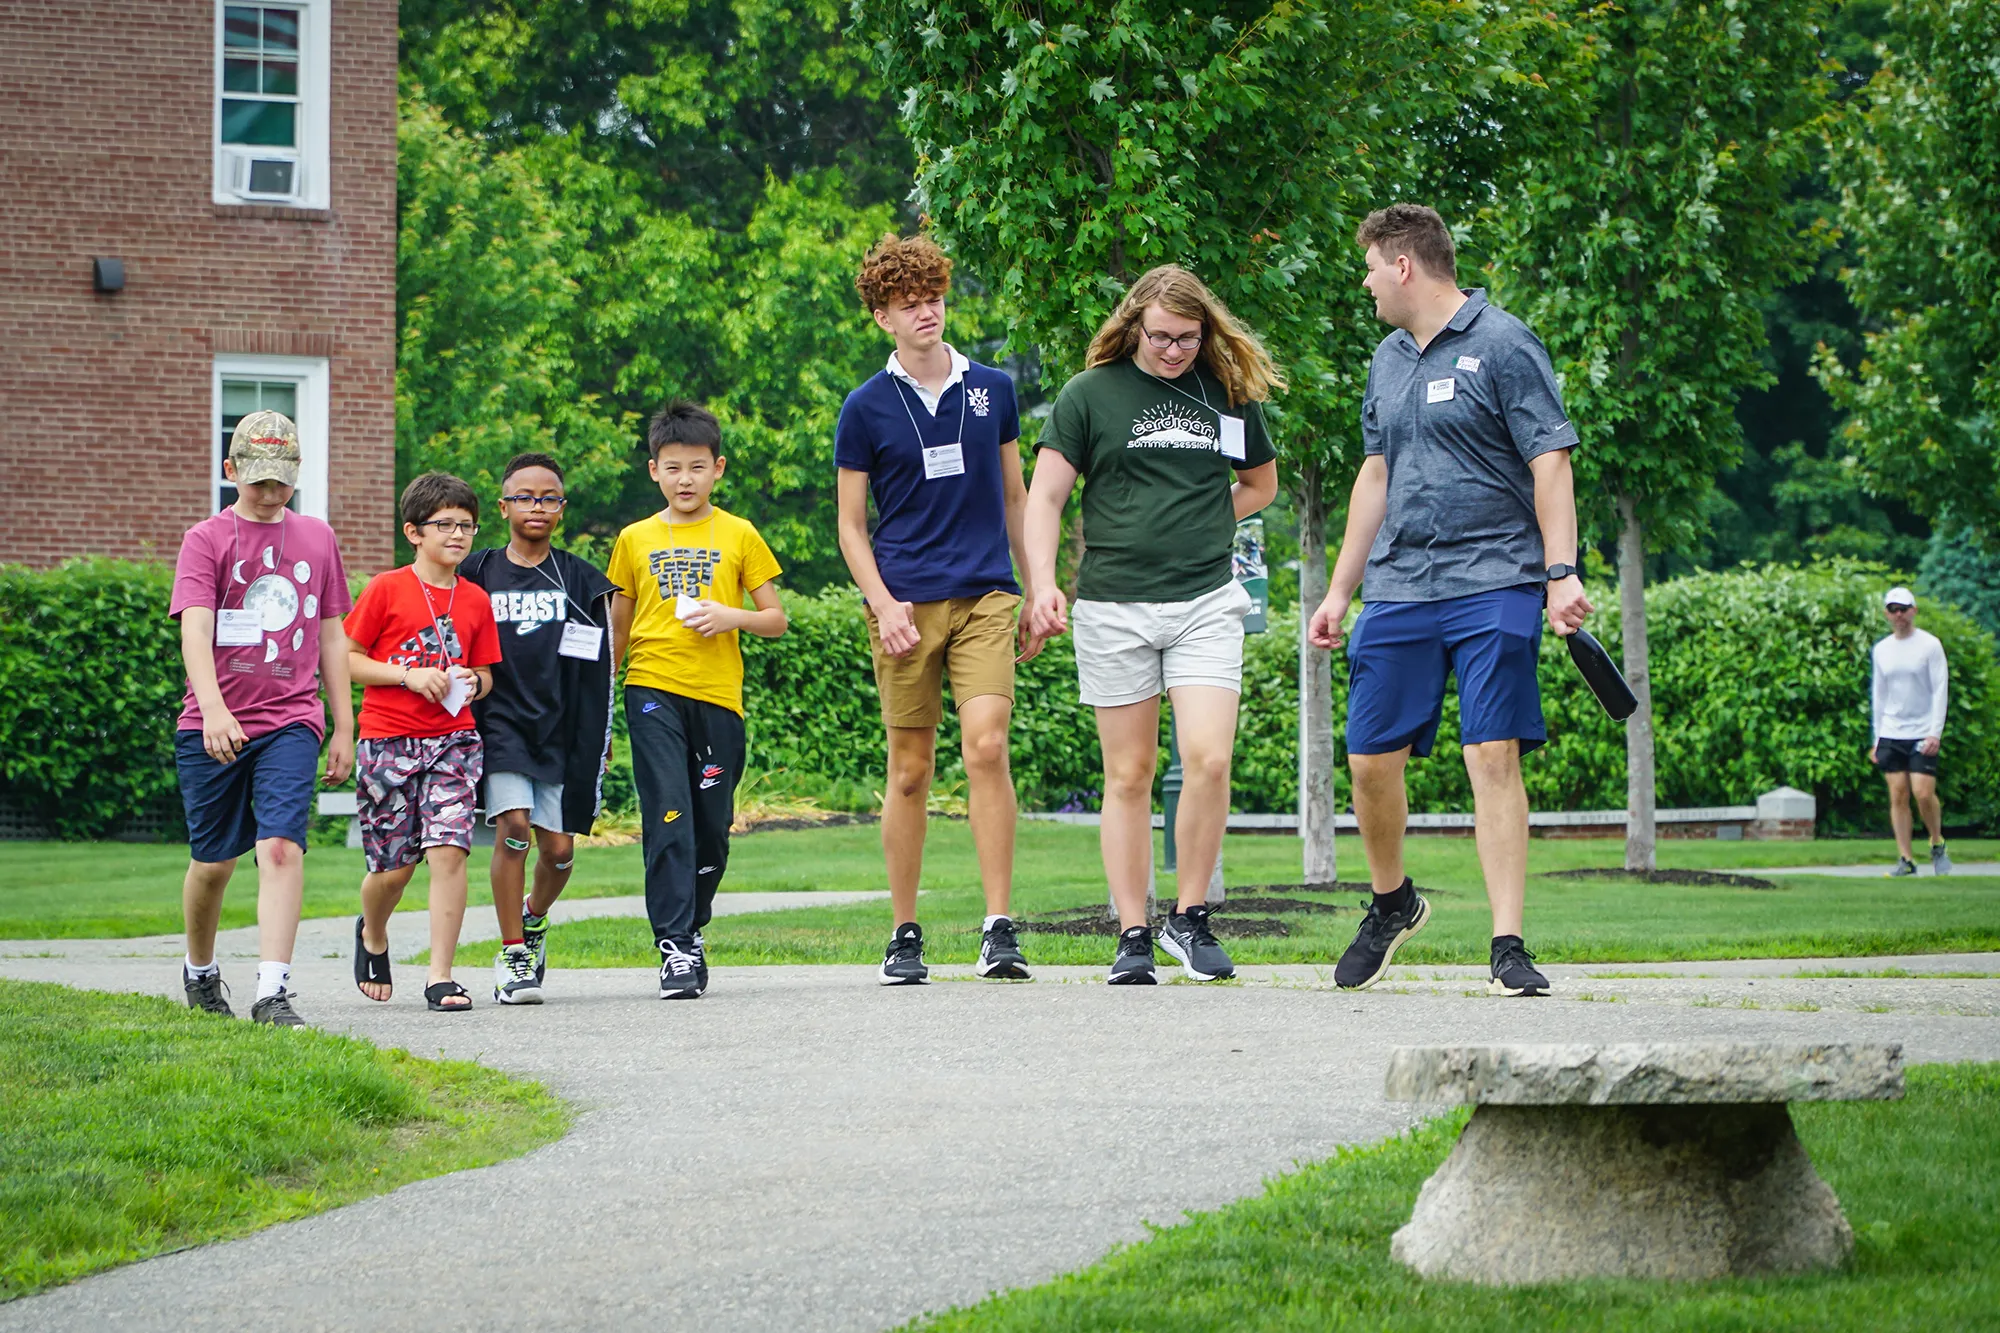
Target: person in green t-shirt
x: 1164, y: 425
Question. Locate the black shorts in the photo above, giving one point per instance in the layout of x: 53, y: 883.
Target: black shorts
x: 1895, y: 756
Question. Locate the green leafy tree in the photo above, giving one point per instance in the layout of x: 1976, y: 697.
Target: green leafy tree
x: 1643, y: 255
x: 1067, y: 147
x: 1961, y: 568
x: 1918, y: 168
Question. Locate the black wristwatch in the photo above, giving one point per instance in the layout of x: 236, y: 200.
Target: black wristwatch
x: 1560, y: 572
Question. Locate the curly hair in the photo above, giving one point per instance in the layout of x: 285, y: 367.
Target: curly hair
x: 1232, y: 353
x: 897, y: 267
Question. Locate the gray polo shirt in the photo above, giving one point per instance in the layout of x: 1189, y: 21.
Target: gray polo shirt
x: 1457, y: 424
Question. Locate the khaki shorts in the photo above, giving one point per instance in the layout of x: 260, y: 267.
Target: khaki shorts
x: 1128, y: 652
x: 969, y: 638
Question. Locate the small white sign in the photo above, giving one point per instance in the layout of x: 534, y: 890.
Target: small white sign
x: 1441, y: 391
x: 456, y: 693
x: 581, y: 641
x: 944, y: 460
x: 1467, y: 363
x: 685, y: 606
x: 238, y: 629
x: 1232, y: 437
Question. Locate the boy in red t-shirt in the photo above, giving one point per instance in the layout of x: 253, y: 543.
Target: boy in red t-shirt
x: 422, y: 641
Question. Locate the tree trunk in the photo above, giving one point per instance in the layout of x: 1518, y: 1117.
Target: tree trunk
x: 1316, y: 777
x: 1638, y: 727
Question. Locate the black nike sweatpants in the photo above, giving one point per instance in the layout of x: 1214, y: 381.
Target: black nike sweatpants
x: 686, y: 758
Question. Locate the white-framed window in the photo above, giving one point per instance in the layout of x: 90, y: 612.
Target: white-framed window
x: 272, y: 86
x: 294, y: 385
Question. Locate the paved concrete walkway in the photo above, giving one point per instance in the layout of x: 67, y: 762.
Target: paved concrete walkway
x: 803, y: 1149
x: 1870, y: 870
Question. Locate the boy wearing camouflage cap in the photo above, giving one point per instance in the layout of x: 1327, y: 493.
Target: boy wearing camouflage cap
x: 259, y: 592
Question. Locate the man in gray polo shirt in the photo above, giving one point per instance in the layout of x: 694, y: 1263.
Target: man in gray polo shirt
x: 1462, y: 527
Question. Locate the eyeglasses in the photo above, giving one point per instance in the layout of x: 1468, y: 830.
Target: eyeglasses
x: 448, y: 526
x: 1187, y: 342
x: 1898, y: 607
x: 555, y: 502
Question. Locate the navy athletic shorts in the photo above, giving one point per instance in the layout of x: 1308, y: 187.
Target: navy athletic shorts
x: 265, y: 792
x: 1401, y: 652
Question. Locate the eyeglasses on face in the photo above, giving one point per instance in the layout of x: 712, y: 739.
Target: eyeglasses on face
x: 448, y: 526
x: 555, y: 502
x: 1187, y: 342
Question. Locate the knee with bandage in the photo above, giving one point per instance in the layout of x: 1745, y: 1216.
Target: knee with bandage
x: 565, y: 865
x: 516, y: 844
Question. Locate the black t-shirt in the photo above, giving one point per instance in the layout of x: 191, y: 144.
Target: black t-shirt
x: 522, y: 721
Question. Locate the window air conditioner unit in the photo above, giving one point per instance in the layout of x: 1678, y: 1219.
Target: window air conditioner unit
x: 254, y: 177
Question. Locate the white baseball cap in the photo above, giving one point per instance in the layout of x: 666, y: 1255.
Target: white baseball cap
x: 1899, y: 597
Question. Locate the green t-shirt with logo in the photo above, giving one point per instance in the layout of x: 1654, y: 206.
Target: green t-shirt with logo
x: 1157, y: 519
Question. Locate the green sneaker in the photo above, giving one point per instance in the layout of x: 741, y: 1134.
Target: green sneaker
x: 535, y: 933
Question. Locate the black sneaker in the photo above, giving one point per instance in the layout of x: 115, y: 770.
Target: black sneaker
x: 1376, y: 942
x: 1000, y: 954
x: 1514, y: 970
x: 678, y: 978
x: 277, y: 1011
x: 700, y: 961
x: 903, y: 961
x: 535, y: 934
x: 205, y: 992
x: 1133, y: 964
x: 1188, y: 938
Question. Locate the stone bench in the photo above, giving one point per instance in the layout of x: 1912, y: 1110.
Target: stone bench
x: 1667, y: 1160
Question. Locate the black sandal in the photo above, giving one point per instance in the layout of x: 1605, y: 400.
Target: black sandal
x: 370, y: 967
x: 439, y: 991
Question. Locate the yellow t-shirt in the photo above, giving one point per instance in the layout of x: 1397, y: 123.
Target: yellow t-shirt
x: 720, y: 558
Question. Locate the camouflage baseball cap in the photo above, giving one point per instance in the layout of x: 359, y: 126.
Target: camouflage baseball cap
x: 265, y: 447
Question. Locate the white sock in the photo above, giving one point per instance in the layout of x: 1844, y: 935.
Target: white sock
x: 208, y: 969
x: 991, y: 919
x: 272, y: 978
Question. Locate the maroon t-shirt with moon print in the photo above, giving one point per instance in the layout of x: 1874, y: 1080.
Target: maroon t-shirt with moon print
x: 289, y: 573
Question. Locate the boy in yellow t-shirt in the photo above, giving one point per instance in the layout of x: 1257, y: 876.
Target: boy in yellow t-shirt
x: 681, y: 576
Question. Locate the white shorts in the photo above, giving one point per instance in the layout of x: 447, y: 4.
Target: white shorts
x: 518, y: 791
x: 1128, y: 652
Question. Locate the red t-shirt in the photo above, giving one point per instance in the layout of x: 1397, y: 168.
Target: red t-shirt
x: 398, y: 619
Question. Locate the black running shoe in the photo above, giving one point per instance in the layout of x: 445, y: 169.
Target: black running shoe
x: 1133, y: 964
x: 277, y: 1011
x: 535, y: 934
x: 1514, y: 970
x: 205, y: 992
x: 701, y: 960
x: 1000, y: 954
x: 1376, y: 942
x: 678, y: 978
x: 903, y: 960
x: 1188, y: 938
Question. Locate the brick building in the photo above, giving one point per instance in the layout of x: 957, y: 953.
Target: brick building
x: 234, y: 167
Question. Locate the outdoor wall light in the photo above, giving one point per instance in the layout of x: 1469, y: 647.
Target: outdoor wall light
x: 108, y: 275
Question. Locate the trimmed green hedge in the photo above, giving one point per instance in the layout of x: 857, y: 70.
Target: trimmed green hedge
x: 1760, y: 679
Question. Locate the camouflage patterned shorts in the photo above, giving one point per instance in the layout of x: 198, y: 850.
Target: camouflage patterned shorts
x: 414, y: 793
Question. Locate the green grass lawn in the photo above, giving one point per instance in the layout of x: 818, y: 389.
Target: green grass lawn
x: 1919, y: 1179
x: 135, y: 1126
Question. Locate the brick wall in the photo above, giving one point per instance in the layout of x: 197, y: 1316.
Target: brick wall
x: 106, y: 401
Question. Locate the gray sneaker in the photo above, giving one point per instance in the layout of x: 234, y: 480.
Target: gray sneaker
x: 514, y: 980
x: 205, y: 992
x: 1940, y: 860
x: 1904, y: 867
x: 1193, y: 945
x: 277, y: 1011
x: 1133, y: 965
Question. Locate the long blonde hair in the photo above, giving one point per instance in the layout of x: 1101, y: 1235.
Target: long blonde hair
x: 1232, y: 353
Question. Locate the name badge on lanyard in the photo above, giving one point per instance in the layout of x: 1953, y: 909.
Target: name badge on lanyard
x: 1232, y: 437
x: 581, y: 640
x: 944, y: 460
x: 238, y: 629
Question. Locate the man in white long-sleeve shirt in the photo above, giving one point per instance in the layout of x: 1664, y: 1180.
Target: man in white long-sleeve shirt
x: 1908, y: 696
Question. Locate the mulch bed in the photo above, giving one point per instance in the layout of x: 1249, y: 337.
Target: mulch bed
x: 791, y: 825
x: 1705, y: 878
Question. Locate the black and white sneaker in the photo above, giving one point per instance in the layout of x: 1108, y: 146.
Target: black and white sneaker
x: 1905, y: 867
x: 535, y: 934
x: 1514, y: 969
x: 1000, y: 955
x: 1133, y: 963
x: 903, y: 961
x: 204, y: 992
x: 679, y: 979
x: 514, y: 979
x: 277, y: 1011
x: 1193, y: 945
x: 1376, y: 942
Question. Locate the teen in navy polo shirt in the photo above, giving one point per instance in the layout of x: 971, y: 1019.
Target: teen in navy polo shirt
x: 932, y: 439
x: 1463, y: 522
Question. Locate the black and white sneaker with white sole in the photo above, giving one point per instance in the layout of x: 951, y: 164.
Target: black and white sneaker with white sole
x: 1132, y: 965
x: 1381, y: 933
x: 1193, y: 945
x: 1000, y: 956
x: 514, y: 979
x: 204, y: 992
x: 277, y: 1011
x: 700, y: 961
x: 678, y: 978
x: 1514, y: 969
x: 535, y: 934
x: 903, y: 960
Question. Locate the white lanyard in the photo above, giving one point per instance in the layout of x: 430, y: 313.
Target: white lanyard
x: 444, y: 652
x: 897, y: 380
x: 675, y: 543
x: 236, y: 554
x: 1167, y: 384
x: 562, y: 587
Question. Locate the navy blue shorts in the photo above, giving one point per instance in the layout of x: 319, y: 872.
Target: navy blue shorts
x: 265, y: 792
x: 1401, y: 652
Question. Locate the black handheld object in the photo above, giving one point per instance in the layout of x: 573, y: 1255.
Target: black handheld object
x: 1602, y: 675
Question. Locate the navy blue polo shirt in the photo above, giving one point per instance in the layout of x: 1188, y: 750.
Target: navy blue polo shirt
x: 1457, y: 423
x: 935, y: 537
